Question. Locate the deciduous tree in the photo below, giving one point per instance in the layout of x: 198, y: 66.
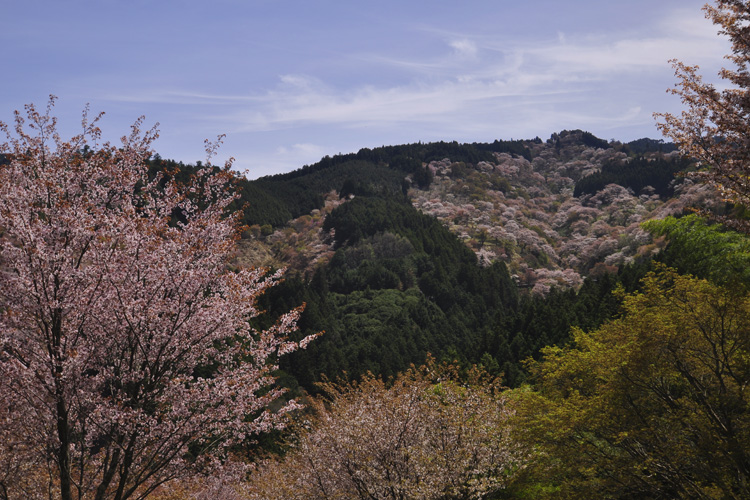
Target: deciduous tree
x: 126, y: 356
x: 715, y: 126
x: 652, y: 405
x: 426, y: 436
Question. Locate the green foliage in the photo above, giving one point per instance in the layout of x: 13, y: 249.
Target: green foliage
x: 399, y: 286
x: 634, y: 174
x: 518, y: 148
x: 545, y: 321
x: 645, y: 145
x: 500, y: 184
x: 651, y: 405
x: 578, y: 137
x: 704, y: 250
x: 592, y: 141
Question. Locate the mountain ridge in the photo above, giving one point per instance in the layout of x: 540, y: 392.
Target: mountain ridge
x: 513, y: 201
x: 485, y: 257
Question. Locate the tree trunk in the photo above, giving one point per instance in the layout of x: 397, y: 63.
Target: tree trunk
x: 63, y: 454
x: 63, y: 419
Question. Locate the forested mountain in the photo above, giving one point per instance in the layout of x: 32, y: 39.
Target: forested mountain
x: 483, y: 253
x: 573, y: 268
x: 553, y: 211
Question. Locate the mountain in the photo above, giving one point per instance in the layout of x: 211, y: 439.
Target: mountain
x: 553, y: 212
x: 484, y: 253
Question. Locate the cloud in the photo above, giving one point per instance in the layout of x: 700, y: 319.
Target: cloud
x: 599, y: 56
x: 164, y: 95
x: 282, y: 159
x: 682, y: 34
x: 465, y: 48
x: 467, y: 86
x: 301, y: 149
x: 301, y: 82
x: 501, y: 73
x: 372, y: 106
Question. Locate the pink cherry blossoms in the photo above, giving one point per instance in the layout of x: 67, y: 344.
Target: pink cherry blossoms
x: 126, y: 356
x: 427, y: 434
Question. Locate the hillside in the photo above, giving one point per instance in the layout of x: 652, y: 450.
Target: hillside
x: 554, y: 212
x: 562, y: 215
x: 475, y: 252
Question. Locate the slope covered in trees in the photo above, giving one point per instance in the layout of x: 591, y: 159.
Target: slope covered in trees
x: 369, y: 171
x: 389, y: 284
x: 636, y: 174
x: 398, y: 286
x: 519, y: 209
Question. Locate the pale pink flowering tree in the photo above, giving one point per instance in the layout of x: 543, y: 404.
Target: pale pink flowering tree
x: 714, y: 126
x: 425, y: 435
x: 126, y: 356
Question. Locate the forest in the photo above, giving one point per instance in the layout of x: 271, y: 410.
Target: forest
x: 560, y: 318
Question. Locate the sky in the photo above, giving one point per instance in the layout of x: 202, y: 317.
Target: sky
x: 291, y: 81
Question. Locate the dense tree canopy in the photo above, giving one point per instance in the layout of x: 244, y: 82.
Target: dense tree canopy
x: 705, y: 250
x: 654, y: 404
x: 635, y: 174
x: 400, y: 286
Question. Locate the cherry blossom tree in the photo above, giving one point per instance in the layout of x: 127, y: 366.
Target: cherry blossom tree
x: 429, y: 435
x: 126, y: 355
x: 714, y: 128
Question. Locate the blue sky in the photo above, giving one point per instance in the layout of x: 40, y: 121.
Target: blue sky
x: 290, y: 81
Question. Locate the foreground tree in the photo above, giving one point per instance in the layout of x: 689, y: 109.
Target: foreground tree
x: 426, y: 436
x: 652, y: 405
x: 715, y: 126
x: 126, y: 357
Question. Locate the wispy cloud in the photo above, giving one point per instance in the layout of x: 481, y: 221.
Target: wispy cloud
x: 465, y: 48
x: 164, y: 95
x: 682, y: 37
x: 463, y: 86
x: 502, y: 74
x: 278, y: 160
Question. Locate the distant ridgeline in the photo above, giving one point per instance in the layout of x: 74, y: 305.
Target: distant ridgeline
x: 279, y: 198
x: 401, y: 285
